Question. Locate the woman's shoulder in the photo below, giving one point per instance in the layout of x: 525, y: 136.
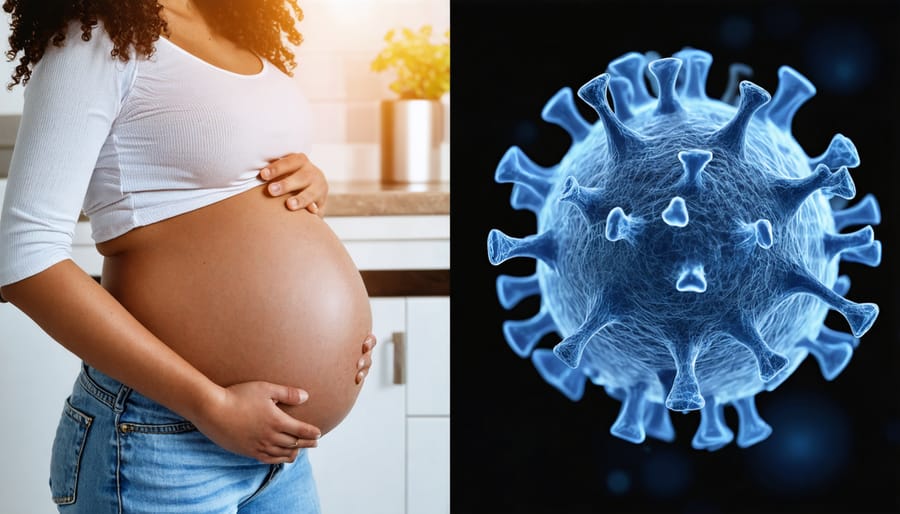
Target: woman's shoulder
x: 78, y: 55
x: 96, y: 46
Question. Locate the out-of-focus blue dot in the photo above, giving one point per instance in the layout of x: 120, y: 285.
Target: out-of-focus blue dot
x: 618, y: 482
x: 841, y: 58
x: 809, y: 447
x: 736, y: 32
x: 525, y: 133
x: 666, y: 473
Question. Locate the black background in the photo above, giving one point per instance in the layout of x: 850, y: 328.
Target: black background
x: 517, y: 444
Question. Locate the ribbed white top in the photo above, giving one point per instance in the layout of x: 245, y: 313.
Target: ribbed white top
x: 135, y: 143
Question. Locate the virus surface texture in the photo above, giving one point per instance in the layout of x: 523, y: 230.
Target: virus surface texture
x: 687, y: 247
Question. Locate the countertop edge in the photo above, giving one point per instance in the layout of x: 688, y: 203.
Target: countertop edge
x: 389, y: 203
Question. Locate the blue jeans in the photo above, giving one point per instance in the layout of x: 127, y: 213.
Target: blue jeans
x: 118, y: 452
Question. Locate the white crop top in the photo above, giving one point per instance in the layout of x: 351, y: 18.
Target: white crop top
x: 135, y: 143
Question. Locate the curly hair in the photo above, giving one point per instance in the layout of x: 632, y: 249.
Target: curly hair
x: 137, y: 24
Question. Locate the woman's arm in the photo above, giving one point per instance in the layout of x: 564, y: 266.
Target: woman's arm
x: 82, y: 316
x: 71, y: 103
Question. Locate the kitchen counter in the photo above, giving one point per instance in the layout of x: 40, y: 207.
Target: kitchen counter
x: 377, y: 199
x: 350, y: 199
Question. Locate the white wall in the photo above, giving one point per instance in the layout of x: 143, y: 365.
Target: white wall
x: 10, y: 102
x: 341, y: 39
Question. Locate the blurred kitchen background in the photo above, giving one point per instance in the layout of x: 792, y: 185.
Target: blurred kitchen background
x: 341, y: 38
x: 391, y: 455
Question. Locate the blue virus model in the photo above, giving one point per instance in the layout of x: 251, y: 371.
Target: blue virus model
x: 687, y: 250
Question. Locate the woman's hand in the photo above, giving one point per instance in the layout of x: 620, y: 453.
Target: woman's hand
x: 296, y: 176
x: 365, y: 362
x: 246, y: 420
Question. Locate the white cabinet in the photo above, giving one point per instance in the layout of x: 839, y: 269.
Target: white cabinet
x: 37, y: 375
x: 391, y: 455
x: 428, y: 465
x: 428, y: 406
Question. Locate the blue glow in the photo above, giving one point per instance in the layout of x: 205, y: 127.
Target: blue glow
x: 810, y: 449
x: 736, y: 32
x: 618, y: 482
x: 842, y: 56
x: 687, y: 251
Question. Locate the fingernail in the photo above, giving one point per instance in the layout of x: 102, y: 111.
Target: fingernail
x: 294, y: 203
x: 313, y: 207
x: 304, y: 396
x: 361, y: 363
x: 360, y: 376
x: 275, y: 189
x: 265, y: 173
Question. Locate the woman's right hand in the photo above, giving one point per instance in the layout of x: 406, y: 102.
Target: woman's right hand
x: 246, y: 419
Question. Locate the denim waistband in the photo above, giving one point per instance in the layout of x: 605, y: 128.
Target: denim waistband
x: 103, y: 387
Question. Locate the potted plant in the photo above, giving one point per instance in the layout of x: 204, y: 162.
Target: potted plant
x: 412, y: 123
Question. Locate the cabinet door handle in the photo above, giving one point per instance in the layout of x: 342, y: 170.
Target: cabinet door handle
x: 399, y: 340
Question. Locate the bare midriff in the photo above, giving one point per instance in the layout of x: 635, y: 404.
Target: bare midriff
x: 244, y: 290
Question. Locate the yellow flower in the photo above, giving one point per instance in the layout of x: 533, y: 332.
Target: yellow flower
x: 422, y: 68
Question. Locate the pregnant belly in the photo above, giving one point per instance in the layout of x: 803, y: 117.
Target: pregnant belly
x: 247, y: 290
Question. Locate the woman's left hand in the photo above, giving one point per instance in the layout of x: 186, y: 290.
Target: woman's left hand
x: 365, y: 362
x: 295, y: 175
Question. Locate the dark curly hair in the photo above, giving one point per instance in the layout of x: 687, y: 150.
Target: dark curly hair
x: 35, y: 24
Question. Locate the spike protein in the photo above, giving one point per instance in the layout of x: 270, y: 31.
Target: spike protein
x: 687, y: 250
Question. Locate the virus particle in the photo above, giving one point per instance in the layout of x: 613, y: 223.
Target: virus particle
x: 687, y: 248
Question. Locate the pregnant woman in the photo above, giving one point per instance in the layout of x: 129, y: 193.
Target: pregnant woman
x: 231, y: 329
